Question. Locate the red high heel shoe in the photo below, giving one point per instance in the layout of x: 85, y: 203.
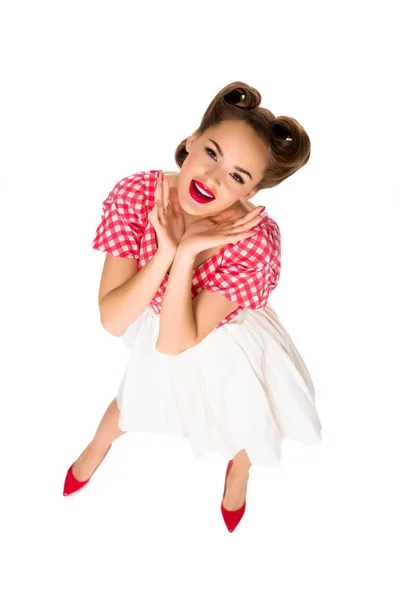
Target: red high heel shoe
x: 232, y: 518
x: 72, y: 484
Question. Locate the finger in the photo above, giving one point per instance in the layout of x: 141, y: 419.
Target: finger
x: 251, y: 219
x: 159, y: 190
x: 238, y: 228
x: 159, y: 197
x: 161, y: 214
x: 225, y: 215
x: 165, y: 193
x: 251, y: 216
x: 154, y: 213
x: 174, y: 200
x: 242, y: 236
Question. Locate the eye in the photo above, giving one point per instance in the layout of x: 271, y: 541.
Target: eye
x: 239, y: 178
x: 208, y: 150
x: 214, y: 156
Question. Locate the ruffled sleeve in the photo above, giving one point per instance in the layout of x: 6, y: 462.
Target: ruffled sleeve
x: 250, y: 269
x: 124, y: 218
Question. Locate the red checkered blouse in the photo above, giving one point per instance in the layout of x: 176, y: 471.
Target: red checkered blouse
x: 245, y: 272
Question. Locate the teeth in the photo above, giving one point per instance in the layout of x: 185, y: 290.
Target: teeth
x: 202, y: 192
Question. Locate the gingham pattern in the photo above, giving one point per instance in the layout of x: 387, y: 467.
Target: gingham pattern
x: 245, y: 272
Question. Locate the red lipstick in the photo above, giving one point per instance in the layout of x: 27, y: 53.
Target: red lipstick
x: 197, y: 195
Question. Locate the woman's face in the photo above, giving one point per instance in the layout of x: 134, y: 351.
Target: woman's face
x: 229, y: 167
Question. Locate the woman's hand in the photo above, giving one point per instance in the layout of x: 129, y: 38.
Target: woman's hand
x: 220, y: 230
x: 167, y: 217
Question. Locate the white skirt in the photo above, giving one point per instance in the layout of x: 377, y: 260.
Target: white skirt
x: 245, y: 386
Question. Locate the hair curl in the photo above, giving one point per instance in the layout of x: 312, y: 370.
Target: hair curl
x: 284, y: 137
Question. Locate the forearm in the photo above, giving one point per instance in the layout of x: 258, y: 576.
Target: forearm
x: 178, y: 329
x: 123, y: 305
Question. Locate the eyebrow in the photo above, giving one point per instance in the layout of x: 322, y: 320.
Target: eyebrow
x: 222, y: 154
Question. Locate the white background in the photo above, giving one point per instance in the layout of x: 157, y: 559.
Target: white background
x: 93, y: 92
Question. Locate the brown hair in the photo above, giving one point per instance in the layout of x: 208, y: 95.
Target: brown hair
x: 284, y: 137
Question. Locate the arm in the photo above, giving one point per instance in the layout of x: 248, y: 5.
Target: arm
x: 178, y: 327
x: 185, y: 323
x: 121, y: 304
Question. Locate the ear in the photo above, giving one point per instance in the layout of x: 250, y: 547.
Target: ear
x: 250, y: 195
x: 190, y: 141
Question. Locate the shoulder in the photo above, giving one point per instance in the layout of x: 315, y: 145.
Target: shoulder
x: 272, y: 236
x: 141, y: 182
x: 134, y: 194
x: 257, y: 251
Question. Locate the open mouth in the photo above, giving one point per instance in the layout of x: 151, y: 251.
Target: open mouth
x: 199, y: 194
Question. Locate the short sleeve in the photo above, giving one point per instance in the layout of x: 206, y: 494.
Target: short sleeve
x: 251, y: 268
x: 124, y: 219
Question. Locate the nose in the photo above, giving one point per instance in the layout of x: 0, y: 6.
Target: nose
x: 212, y: 178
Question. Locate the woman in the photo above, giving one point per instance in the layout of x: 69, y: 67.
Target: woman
x: 186, y: 281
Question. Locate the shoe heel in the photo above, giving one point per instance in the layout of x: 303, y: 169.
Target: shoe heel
x: 231, y: 518
x: 72, y: 485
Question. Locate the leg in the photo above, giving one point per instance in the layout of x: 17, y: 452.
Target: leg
x: 108, y: 430
x: 241, y: 462
x: 106, y: 433
x: 236, y: 484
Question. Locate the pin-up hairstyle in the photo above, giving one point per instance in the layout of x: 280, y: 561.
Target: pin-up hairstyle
x: 288, y: 143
